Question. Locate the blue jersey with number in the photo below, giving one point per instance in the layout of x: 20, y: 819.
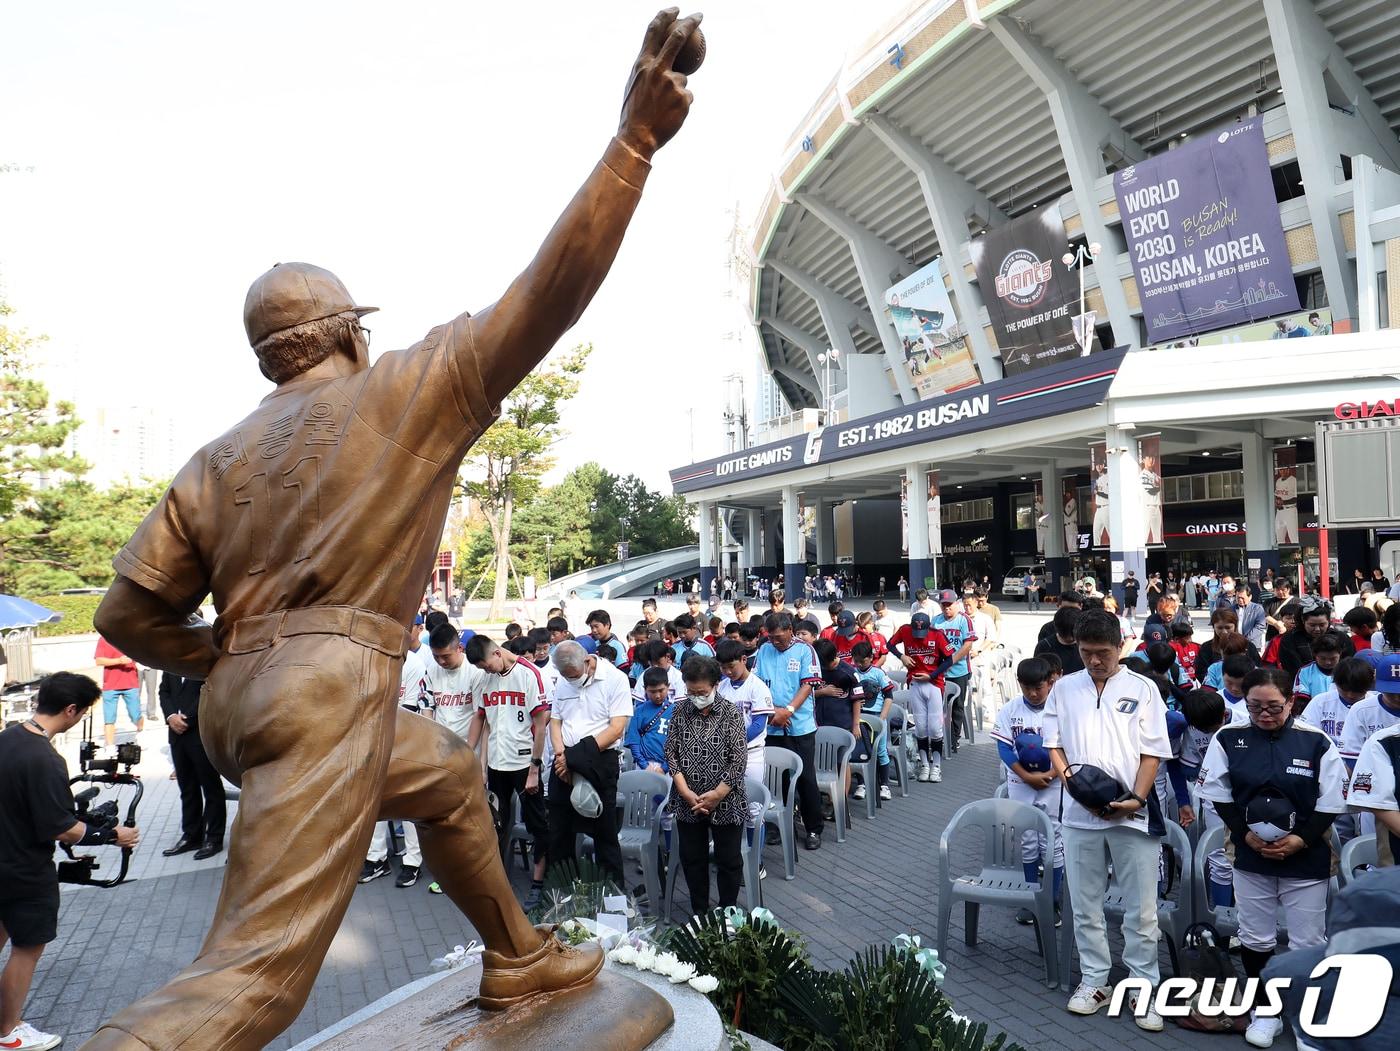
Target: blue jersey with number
x: 784, y: 672
x: 957, y: 629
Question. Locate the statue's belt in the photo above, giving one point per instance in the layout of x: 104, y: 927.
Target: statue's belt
x: 359, y: 625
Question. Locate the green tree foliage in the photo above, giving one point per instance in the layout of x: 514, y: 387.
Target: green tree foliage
x: 62, y: 533
x: 582, y: 517
x: 506, y: 463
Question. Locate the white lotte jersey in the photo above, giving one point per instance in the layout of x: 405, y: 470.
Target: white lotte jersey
x: 1373, y: 780
x: 453, y: 691
x: 508, y: 703
x: 1016, y: 717
x: 413, y: 682
x: 1112, y: 730
x: 1367, y: 717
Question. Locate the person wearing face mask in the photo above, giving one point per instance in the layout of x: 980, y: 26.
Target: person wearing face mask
x: 706, y: 753
x: 592, y: 707
x: 1278, y: 785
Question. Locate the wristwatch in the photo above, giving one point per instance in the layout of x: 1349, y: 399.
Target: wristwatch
x: 1140, y: 801
x: 539, y: 763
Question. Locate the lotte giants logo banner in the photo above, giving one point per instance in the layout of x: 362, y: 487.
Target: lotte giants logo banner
x: 1028, y: 293
x: 1204, y: 234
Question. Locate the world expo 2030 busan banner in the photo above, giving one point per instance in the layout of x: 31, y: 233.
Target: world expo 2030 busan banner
x: 1204, y: 234
x: 1029, y: 296
x: 935, y: 350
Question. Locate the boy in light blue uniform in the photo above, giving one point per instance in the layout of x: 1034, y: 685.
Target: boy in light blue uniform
x: 690, y: 641
x: 790, y: 671
x: 957, y: 629
x: 1315, y: 679
x: 878, y: 693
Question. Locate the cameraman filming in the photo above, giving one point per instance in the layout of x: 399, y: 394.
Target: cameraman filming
x: 37, y: 808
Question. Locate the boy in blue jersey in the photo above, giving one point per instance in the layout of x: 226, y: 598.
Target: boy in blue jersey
x: 646, y: 733
x: 1315, y: 679
x: 789, y: 669
x: 957, y: 629
x: 1029, y: 775
x: 689, y: 641
x: 877, y: 692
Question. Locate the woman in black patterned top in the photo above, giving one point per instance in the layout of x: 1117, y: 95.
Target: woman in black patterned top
x: 706, y: 753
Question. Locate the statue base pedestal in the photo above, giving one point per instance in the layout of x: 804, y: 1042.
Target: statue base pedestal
x: 623, y: 1009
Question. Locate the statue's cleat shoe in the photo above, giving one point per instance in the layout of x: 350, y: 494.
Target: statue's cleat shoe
x: 507, y: 980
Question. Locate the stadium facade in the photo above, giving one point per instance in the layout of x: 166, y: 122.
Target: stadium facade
x: 1091, y: 272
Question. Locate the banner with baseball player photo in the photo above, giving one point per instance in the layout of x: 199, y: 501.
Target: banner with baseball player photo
x: 1286, y: 496
x: 1150, y: 472
x: 1098, y: 484
x: 1027, y: 291
x: 935, y: 516
x: 1069, y: 496
x: 933, y: 342
x: 904, y: 516
x: 1042, y: 519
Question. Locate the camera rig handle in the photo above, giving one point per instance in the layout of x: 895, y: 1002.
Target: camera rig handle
x: 80, y: 869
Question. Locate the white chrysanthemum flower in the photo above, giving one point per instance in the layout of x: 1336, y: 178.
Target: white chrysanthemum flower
x: 705, y: 983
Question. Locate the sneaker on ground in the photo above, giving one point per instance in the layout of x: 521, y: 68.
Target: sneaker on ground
x: 434, y: 887
x: 762, y: 872
x: 372, y: 870
x: 1088, y: 999
x: 408, y: 876
x: 1149, y: 1020
x: 24, y: 1037
x: 885, y: 792
x: 1261, y: 1032
x: 1025, y: 917
x: 936, y: 775
x: 533, y: 898
x: 858, y: 792
x: 923, y: 771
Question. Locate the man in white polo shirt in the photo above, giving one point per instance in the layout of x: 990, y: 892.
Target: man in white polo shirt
x: 592, y: 706
x: 512, y: 710
x: 1110, y: 718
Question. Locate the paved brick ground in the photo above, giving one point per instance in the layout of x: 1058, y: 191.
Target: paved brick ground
x: 115, y: 945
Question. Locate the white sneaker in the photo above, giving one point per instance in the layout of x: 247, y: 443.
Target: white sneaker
x: 858, y: 792
x: 923, y: 770
x: 885, y: 792
x: 1089, y: 999
x: 24, y: 1037
x: 1261, y: 1032
x: 1149, y: 1020
x: 935, y: 774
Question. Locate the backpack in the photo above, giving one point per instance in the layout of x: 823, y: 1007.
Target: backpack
x: 1204, y: 955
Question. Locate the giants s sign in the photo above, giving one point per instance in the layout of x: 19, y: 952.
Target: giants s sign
x: 1367, y: 410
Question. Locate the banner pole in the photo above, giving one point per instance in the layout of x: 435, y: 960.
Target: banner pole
x: 1324, y: 580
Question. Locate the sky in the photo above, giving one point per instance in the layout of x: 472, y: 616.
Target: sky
x: 170, y: 152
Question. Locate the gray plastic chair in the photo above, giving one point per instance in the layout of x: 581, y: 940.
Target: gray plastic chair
x: 519, y: 834
x: 1358, y: 851
x: 1003, y: 791
x: 1002, y: 879
x: 780, y: 764
x: 951, y: 692
x: 869, y: 770
x: 1223, y: 918
x: 639, y: 828
x: 833, y: 758
x: 750, y: 847
x: 895, y: 743
x: 1174, y: 916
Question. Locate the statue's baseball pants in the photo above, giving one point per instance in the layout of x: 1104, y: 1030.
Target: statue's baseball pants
x: 302, y: 712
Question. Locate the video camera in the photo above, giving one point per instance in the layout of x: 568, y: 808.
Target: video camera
x: 98, y: 772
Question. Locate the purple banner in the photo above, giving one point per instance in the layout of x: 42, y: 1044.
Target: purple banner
x: 1204, y: 235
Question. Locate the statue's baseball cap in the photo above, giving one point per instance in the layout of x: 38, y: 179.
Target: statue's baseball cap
x: 292, y: 294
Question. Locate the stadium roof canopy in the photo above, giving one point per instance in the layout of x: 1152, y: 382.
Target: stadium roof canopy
x: 1162, y: 71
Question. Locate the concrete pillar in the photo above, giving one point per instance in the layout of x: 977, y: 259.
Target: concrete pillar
x: 1056, y: 557
x: 1257, y: 461
x: 809, y: 345
x: 826, y: 536
x: 1126, y: 523
x: 950, y: 199
x: 1083, y: 126
x: 753, y: 541
x: 1306, y: 54
x: 709, y: 561
x: 920, y: 563
x: 794, y: 558
x: 878, y: 266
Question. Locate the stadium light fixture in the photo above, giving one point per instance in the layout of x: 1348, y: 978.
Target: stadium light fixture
x: 1077, y: 258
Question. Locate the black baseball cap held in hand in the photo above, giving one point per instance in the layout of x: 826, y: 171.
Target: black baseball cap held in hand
x: 1094, y: 788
